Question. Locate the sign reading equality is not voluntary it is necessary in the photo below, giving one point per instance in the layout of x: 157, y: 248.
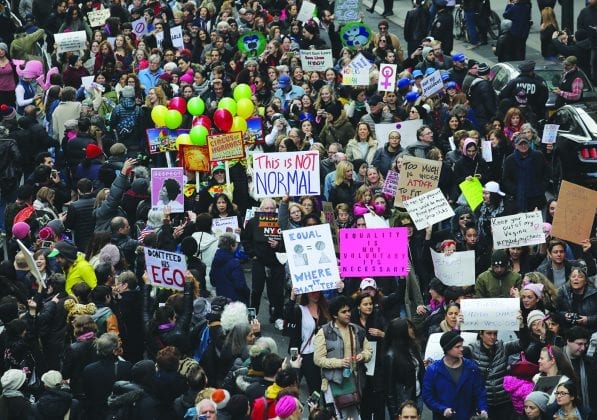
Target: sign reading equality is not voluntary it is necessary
x: 292, y: 173
x: 373, y: 252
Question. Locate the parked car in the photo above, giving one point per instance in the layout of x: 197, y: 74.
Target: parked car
x: 551, y: 72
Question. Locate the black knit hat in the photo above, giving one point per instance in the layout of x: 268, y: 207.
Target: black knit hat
x: 449, y: 340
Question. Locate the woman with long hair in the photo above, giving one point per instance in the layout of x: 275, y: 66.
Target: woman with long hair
x: 501, y: 148
x: 363, y: 145
x: 568, y: 400
x: 553, y: 362
x: 403, y: 365
x: 374, y: 179
x: 513, y: 121
x: 74, y: 22
x: 549, y: 25
x: 123, y: 52
x: 105, y: 53
x: 344, y: 187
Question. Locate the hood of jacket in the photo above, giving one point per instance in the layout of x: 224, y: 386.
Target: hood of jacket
x: 204, y: 240
x: 54, y: 403
x: 26, y: 122
x: 222, y: 257
x: 100, y: 312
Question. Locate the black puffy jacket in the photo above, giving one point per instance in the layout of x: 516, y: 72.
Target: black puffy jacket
x: 79, y: 219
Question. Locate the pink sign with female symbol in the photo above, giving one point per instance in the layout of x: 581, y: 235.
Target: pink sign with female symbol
x: 387, y: 78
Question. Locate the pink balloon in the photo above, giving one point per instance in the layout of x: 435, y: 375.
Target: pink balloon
x: 223, y: 119
x: 178, y: 104
x: 202, y: 120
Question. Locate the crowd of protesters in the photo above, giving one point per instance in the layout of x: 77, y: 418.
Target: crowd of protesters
x: 87, y: 335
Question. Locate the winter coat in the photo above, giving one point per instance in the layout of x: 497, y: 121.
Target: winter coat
x: 383, y: 158
x: 54, y: 404
x: 62, y: 113
x: 466, y: 398
x: 32, y: 139
x: 338, y: 131
x: 520, y: 15
x: 353, y: 150
x: 401, y: 378
x: 14, y: 408
x: 129, y: 311
x: 98, y: 379
x: 488, y: 285
x: 256, y: 244
x: 133, y: 400
x: 207, y: 245
x: 76, y: 356
x: 74, y: 149
x: 80, y: 271
x: 513, y: 176
x: 127, y: 247
x: 128, y: 108
x: 228, y: 278
x: 110, y: 208
x: 587, y: 306
x: 343, y: 193
x: 483, y: 101
x: 79, y: 219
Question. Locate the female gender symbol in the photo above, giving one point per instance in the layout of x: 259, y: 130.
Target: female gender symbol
x: 387, y: 72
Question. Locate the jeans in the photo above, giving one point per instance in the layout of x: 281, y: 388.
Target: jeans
x: 275, y: 287
x: 471, y: 27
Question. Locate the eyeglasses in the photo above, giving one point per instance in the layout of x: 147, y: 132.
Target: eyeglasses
x: 382, y: 40
x: 561, y: 393
x: 414, y: 111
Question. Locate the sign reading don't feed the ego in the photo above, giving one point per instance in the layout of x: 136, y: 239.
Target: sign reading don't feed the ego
x: 165, y: 269
x: 292, y: 173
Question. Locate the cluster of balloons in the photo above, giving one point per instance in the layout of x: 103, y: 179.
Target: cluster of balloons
x: 230, y: 115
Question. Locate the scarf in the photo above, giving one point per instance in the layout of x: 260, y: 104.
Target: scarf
x: 86, y: 336
x: 167, y: 326
x: 12, y: 393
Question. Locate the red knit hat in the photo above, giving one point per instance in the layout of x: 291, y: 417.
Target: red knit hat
x: 93, y: 151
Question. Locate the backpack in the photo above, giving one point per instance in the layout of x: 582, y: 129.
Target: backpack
x: 126, y: 125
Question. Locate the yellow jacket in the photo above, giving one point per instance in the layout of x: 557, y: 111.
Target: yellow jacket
x: 80, y: 271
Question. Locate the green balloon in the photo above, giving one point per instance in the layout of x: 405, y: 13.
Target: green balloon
x: 173, y: 119
x: 196, y: 106
x: 199, y: 135
x: 229, y: 104
x: 242, y: 91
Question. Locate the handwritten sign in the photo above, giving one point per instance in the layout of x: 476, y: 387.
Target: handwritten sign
x: 316, y: 60
x: 306, y: 12
x: 407, y: 129
x: 574, y: 216
x: 550, y: 133
x: 347, y: 10
x: 226, y: 146
x: 428, y: 208
x: 517, y: 230
x: 434, y: 350
x: 221, y: 225
x: 390, y: 184
x: 472, y: 190
x: 165, y: 269
x: 268, y: 225
x: 432, y: 84
x: 140, y: 27
x: 70, y: 41
x: 311, y: 258
x: 33, y: 269
x: 387, y: 78
x: 360, y: 63
x: 166, y: 189
x: 417, y: 176
x: 486, y: 151
x: 457, y: 269
x: 98, y: 17
x: 373, y: 252
x: 352, y: 77
x: 490, y: 314
x: 292, y: 173
x: 194, y: 158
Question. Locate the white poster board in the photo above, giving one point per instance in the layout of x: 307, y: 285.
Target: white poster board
x: 370, y: 365
x: 221, y: 225
x: 373, y: 221
x: 316, y: 60
x: 86, y: 82
x: 175, y: 37
x: 292, y: 173
x: 360, y: 63
x: 165, y: 269
x: 517, y: 230
x: 31, y: 263
x: 140, y: 27
x: 428, y: 208
x: 457, y: 269
x: 70, y: 41
x: 432, y: 84
x: 490, y: 314
x: 434, y: 350
x: 98, y: 17
x: 486, y: 151
x: 352, y: 77
x: 407, y: 129
x: 387, y: 78
x: 306, y: 11
x: 550, y: 133
x: 311, y: 258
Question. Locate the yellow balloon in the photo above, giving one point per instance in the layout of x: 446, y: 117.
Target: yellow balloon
x: 239, y: 124
x: 182, y: 139
x: 158, y: 115
x: 244, y: 107
x: 261, y: 111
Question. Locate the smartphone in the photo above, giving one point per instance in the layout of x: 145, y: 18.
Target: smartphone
x: 252, y: 314
x: 53, y: 172
x: 294, y: 353
x: 47, y: 244
x: 314, y: 398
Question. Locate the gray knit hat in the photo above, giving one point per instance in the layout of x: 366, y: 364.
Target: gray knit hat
x: 538, y: 398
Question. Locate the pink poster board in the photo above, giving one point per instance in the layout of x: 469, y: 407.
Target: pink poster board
x: 373, y: 252
x: 166, y: 189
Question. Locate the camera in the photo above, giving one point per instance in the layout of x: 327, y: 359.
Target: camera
x: 294, y: 353
x: 252, y: 314
x: 573, y: 318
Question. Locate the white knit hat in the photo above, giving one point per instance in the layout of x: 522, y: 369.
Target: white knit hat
x: 13, y: 379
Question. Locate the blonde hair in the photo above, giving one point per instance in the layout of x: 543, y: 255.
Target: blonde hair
x: 101, y: 197
x: 45, y: 194
x: 162, y: 98
x: 360, y: 194
x: 341, y: 169
x: 548, y: 17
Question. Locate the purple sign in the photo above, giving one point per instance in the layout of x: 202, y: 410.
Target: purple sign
x: 166, y: 189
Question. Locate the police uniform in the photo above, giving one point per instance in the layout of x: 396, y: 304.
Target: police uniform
x: 535, y: 87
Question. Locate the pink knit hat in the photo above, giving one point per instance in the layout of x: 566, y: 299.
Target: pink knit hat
x: 20, y: 230
x: 33, y: 69
x: 285, y: 406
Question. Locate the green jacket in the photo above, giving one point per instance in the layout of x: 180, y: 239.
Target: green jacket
x: 26, y: 48
x: 490, y: 286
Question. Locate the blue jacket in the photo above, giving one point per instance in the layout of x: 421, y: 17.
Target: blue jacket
x: 149, y: 79
x: 228, y: 277
x: 466, y: 398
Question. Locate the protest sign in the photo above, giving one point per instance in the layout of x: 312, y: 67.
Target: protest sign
x: 457, y: 269
x: 351, y: 77
x: 292, y: 173
x: 347, y: 10
x: 306, y: 12
x: 268, y: 225
x: 140, y: 27
x: 575, y: 213
x: 33, y: 268
x: 359, y: 63
x: 486, y: 151
x: 165, y: 269
x: 221, y: 225
x: 316, y: 60
x: 160, y: 140
x: 434, y: 350
x: 390, y: 184
x: 226, y: 146
x: 254, y: 134
x: 407, y: 129
x: 311, y: 258
x: 175, y: 37
x: 472, y: 190
x: 432, y: 84
x: 98, y: 17
x: 87, y: 81
x: 517, y: 230
x: 550, y: 133
x: 387, y: 78
x: 194, y: 158
x: 428, y: 208
x: 166, y: 189
x: 70, y: 41
x: 373, y: 252
x: 373, y: 221
x: 417, y: 176
x: 490, y: 314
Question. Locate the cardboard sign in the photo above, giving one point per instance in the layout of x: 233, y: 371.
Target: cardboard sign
x: 221, y: 225
x: 352, y: 77
x: 347, y: 10
x: 160, y: 140
x: 472, y: 190
x: 432, y: 84
x: 390, y: 184
x: 434, y: 350
x: 254, y: 134
x: 165, y: 269
x: 387, y: 78
x: 457, y: 269
x: 550, y: 133
x: 98, y: 17
x: 33, y: 269
x: 574, y: 216
x: 517, y: 230
x: 407, y: 129
x: 373, y: 252
x: 140, y: 27
x: 306, y: 12
x: 428, y: 208
x: 166, y: 189
x: 311, y: 258
x: 490, y: 314
x: 292, y: 173
x: 316, y: 60
x: 194, y: 158
x: 70, y: 41
x: 417, y: 176
x: 268, y: 225
x: 226, y: 146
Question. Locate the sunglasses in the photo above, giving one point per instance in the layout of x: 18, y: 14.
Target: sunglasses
x: 465, y: 217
